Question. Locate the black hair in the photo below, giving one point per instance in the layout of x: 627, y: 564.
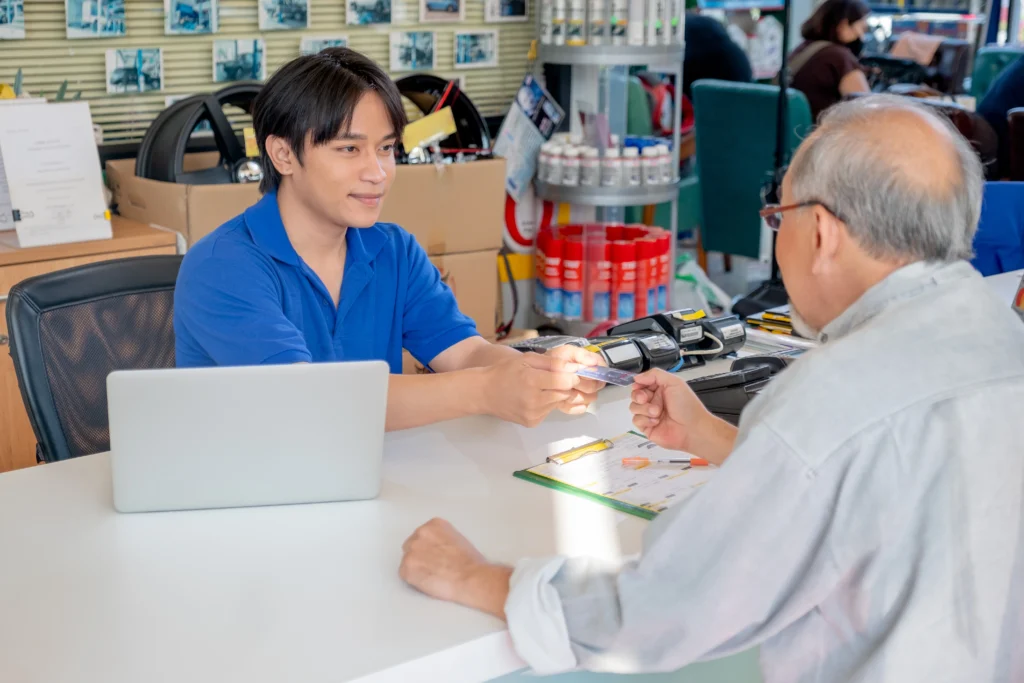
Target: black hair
x: 316, y: 95
x: 824, y: 23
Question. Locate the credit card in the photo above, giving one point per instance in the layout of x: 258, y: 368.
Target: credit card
x: 622, y: 378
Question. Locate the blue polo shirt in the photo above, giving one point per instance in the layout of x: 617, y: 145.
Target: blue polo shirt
x: 245, y: 297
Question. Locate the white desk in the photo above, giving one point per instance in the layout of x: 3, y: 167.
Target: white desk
x: 299, y: 593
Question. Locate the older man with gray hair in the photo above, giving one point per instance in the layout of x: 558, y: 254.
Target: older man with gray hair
x: 866, y: 523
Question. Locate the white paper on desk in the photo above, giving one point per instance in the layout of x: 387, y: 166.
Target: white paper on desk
x: 6, y: 219
x: 530, y: 122
x: 53, y: 173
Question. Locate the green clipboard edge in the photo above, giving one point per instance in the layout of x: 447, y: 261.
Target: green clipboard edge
x: 643, y: 513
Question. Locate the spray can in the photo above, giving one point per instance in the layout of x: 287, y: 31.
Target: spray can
x: 652, y: 23
x: 678, y: 21
x: 576, y: 26
x: 635, y: 27
x: 623, y: 294
x: 597, y: 303
x: 552, y: 281
x: 619, y: 21
x: 572, y: 279
x: 664, y: 240
x: 597, y: 23
x: 558, y: 20
x: 546, y: 15
x: 539, y: 259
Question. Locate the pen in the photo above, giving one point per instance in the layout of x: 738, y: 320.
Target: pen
x: 639, y: 461
x: 578, y: 452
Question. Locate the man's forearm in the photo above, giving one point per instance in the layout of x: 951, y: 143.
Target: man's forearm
x: 418, y: 400
x: 490, y: 354
x: 715, y: 441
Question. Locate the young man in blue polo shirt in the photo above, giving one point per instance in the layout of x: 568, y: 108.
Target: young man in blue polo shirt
x: 308, y: 274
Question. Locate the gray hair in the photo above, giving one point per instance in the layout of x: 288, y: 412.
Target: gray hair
x: 869, y: 187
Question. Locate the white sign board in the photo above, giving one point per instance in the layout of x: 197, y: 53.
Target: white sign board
x: 54, y: 181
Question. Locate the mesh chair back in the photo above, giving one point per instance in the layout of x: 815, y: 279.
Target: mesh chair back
x: 72, y: 328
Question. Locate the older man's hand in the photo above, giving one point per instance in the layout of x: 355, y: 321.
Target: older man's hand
x: 442, y: 563
x: 668, y: 413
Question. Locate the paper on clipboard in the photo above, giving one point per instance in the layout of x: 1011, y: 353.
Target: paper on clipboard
x: 601, y: 476
x: 52, y: 168
x: 531, y: 121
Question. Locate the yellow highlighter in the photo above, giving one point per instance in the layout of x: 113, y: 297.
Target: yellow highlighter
x: 578, y: 452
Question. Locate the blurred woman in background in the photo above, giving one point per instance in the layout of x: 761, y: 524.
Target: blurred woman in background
x: 824, y: 67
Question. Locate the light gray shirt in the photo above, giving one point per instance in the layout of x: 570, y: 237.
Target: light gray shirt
x: 867, y: 527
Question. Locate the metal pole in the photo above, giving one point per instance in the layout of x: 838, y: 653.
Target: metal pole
x: 673, y: 229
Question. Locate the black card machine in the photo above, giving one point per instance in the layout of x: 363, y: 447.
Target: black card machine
x: 726, y: 394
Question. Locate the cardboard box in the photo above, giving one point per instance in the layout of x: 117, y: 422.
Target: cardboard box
x: 192, y: 210
x: 457, y: 209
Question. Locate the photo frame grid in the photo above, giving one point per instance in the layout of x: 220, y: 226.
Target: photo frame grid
x: 476, y: 49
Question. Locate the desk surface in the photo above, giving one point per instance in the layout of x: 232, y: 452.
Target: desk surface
x: 293, y: 593
x: 128, y: 235
x: 296, y: 593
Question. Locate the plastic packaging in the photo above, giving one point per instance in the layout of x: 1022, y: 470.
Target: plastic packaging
x: 572, y: 279
x: 652, y: 23
x: 597, y: 301
x: 631, y: 166
x: 651, y: 166
x: 646, y: 277
x: 552, y: 277
x: 664, y: 240
x: 694, y: 289
x: 611, y: 168
x: 571, y: 166
x: 590, y: 167
x: 623, y: 294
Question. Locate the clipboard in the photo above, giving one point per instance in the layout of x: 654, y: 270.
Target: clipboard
x: 598, y: 475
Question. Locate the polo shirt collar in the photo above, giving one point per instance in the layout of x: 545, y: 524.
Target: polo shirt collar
x: 263, y: 219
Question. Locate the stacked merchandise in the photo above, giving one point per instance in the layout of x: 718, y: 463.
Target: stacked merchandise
x: 612, y: 22
x: 641, y: 161
x: 601, y: 272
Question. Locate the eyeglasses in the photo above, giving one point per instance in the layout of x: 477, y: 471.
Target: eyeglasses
x: 772, y: 213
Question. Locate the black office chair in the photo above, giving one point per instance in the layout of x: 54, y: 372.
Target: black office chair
x: 70, y: 329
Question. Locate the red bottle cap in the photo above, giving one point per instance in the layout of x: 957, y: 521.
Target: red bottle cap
x: 623, y: 252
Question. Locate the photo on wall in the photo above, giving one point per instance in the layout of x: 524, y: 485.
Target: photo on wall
x: 190, y: 17
x: 366, y: 12
x: 239, y: 60
x: 12, y: 19
x: 283, y: 15
x: 442, y: 10
x: 476, y: 49
x: 133, y: 70
x: 504, y: 10
x: 311, y: 45
x: 204, y: 126
x: 413, y: 51
x: 94, y: 18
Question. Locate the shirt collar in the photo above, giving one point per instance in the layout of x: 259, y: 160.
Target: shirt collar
x: 905, y: 283
x: 263, y: 219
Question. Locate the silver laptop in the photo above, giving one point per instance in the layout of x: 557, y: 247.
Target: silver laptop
x: 230, y: 437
